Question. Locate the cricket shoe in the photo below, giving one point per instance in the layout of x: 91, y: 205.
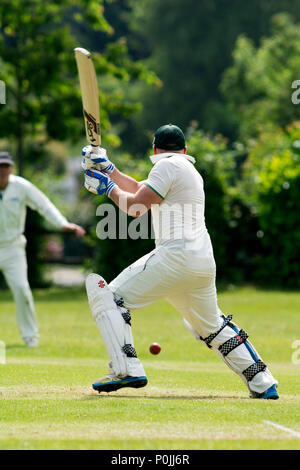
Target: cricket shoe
x: 111, y: 384
x: 270, y: 394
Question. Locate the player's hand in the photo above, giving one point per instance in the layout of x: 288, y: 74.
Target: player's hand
x: 96, y: 157
x: 73, y: 228
x: 98, y: 182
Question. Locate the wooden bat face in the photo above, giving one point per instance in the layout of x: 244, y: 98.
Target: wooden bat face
x: 90, y: 96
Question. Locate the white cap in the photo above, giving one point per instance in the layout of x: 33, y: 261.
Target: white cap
x: 5, y: 157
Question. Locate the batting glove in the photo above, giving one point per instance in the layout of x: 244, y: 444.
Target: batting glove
x: 98, y: 183
x: 96, y: 157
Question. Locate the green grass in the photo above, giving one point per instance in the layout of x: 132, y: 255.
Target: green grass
x: 192, y: 400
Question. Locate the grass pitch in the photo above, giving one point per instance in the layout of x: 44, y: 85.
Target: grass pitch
x: 192, y: 401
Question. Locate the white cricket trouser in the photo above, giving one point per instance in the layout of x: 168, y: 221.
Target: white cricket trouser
x: 187, y: 281
x: 13, y: 264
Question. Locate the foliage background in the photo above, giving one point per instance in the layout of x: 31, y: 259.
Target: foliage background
x: 221, y: 70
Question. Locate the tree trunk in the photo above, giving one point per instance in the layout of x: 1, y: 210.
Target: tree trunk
x: 20, y: 129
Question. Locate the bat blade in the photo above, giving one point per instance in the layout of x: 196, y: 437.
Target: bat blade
x: 90, y: 95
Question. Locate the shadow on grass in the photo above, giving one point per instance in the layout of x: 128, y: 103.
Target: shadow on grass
x: 108, y: 396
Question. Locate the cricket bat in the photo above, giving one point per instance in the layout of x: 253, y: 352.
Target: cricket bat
x: 90, y: 96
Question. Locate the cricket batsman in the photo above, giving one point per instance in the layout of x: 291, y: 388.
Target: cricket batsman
x: 16, y: 194
x: 180, y: 269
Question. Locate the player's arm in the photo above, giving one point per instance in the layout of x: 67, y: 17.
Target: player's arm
x: 144, y: 194
x: 135, y: 204
x: 38, y: 201
x: 125, y: 182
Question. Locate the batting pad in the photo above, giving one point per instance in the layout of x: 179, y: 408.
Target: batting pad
x: 242, y: 359
x: 239, y: 357
x: 115, y: 333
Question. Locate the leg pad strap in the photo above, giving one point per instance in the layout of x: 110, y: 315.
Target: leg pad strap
x: 233, y: 343
x: 211, y: 337
x: 254, y: 369
x: 124, y: 311
x: 129, y: 350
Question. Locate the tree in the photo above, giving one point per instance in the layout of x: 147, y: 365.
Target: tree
x: 258, y: 86
x: 189, y: 45
x: 43, y: 97
x: 38, y: 67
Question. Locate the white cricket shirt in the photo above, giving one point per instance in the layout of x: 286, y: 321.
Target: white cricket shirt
x: 179, y: 219
x: 19, y: 194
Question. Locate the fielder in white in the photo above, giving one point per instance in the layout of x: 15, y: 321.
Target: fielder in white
x: 181, y: 268
x: 15, y: 194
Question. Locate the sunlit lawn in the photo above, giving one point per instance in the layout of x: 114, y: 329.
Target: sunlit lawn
x: 192, y: 400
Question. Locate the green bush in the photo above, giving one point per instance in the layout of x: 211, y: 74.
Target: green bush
x: 216, y: 164
x: 272, y: 184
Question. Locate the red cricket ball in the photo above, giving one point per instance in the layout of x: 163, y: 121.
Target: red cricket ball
x: 155, y: 348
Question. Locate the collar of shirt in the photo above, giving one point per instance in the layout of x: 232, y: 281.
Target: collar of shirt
x: 155, y: 158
